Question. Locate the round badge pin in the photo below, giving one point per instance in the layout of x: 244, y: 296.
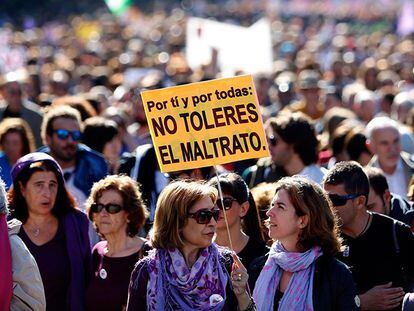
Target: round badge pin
x: 103, y: 274
x: 357, y: 301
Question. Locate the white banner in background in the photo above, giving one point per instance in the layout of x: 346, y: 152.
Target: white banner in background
x: 246, y: 49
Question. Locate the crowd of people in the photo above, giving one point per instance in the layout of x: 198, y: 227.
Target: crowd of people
x: 88, y: 221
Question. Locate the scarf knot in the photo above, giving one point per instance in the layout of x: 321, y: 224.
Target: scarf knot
x: 172, y: 285
x: 298, y: 295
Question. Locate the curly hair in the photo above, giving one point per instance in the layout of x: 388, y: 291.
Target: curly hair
x: 133, y: 204
x: 298, y: 130
x: 309, y: 199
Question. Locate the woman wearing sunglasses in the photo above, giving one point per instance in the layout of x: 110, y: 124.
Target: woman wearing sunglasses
x: 301, y: 272
x: 242, y: 218
x: 54, y: 231
x: 118, y: 213
x: 186, y: 271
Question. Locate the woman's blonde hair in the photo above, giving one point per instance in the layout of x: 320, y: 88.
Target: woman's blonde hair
x: 309, y: 199
x: 173, y: 206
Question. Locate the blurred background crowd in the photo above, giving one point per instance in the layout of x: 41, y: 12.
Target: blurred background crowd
x: 334, y: 81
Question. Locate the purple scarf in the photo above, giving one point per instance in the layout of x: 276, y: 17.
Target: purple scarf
x: 173, y: 286
x: 298, y: 295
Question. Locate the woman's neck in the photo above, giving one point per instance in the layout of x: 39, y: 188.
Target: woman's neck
x: 117, y: 244
x: 190, y: 255
x: 40, y: 220
x: 291, y: 245
x: 238, y: 238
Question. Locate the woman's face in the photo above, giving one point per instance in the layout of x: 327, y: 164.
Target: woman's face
x: 284, y: 224
x: 197, y: 235
x: 111, y: 223
x: 40, y: 192
x: 13, y: 145
x: 234, y: 211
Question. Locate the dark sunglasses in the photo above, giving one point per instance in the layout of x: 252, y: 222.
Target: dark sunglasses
x: 340, y: 200
x: 64, y: 134
x: 272, y: 140
x: 204, y: 216
x: 227, y: 203
x: 111, y: 208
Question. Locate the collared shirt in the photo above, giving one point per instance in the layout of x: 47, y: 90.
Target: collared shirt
x: 396, y: 181
x: 78, y: 195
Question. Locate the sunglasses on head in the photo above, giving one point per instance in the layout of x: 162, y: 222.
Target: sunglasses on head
x: 272, y: 140
x: 340, y: 200
x: 111, y: 208
x: 64, y: 134
x: 204, y: 216
x: 227, y: 203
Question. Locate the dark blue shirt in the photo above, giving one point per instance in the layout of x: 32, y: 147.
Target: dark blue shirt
x: 53, y: 262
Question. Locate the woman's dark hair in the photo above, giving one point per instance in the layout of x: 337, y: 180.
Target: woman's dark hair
x: 97, y: 132
x: 298, y: 130
x: 234, y: 185
x: 132, y: 201
x: 64, y: 202
x: 309, y: 199
x: 355, y: 144
x: 377, y: 180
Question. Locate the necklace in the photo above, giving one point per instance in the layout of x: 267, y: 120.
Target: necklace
x: 36, y: 232
x: 366, y: 225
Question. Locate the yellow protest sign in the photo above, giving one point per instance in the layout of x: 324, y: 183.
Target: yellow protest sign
x: 205, y: 123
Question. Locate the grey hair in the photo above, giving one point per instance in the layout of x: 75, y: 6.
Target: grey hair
x: 4, y: 203
x: 379, y: 123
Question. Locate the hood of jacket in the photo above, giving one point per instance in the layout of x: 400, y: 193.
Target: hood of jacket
x: 14, y: 226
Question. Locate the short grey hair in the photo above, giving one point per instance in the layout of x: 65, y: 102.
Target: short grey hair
x: 379, y: 123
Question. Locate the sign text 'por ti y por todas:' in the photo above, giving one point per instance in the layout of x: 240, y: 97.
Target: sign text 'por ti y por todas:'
x: 205, y: 123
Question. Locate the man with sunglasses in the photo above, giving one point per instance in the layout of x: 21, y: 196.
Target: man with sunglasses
x: 15, y: 105
x: 61, y: 133
x: 378, y: 249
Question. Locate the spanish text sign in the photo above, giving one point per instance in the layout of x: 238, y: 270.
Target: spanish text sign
x: 205, y: 123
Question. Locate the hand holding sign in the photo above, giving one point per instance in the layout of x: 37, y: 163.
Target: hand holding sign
x: 205, y: 123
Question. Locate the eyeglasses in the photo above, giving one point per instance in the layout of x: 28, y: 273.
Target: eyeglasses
x: 272, y: 140
x: 227, y: 203
x: 340, y: 200
x: 204, y: 216
x: 64, y: 134
x: 111, y: 208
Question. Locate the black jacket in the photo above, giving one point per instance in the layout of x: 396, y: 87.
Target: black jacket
x: 333, y: 286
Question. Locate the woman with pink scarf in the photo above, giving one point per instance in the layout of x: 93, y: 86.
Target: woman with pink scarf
x: 186, y: 271
x: 301, y: 272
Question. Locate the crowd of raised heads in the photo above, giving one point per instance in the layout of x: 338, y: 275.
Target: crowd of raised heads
x: 89, y: 222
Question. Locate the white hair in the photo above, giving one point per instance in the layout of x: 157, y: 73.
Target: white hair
x: 380, y: 123
x: 363, y: 96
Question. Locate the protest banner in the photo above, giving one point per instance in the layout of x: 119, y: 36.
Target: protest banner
x: 236, y: 46
x: 206, y: 123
